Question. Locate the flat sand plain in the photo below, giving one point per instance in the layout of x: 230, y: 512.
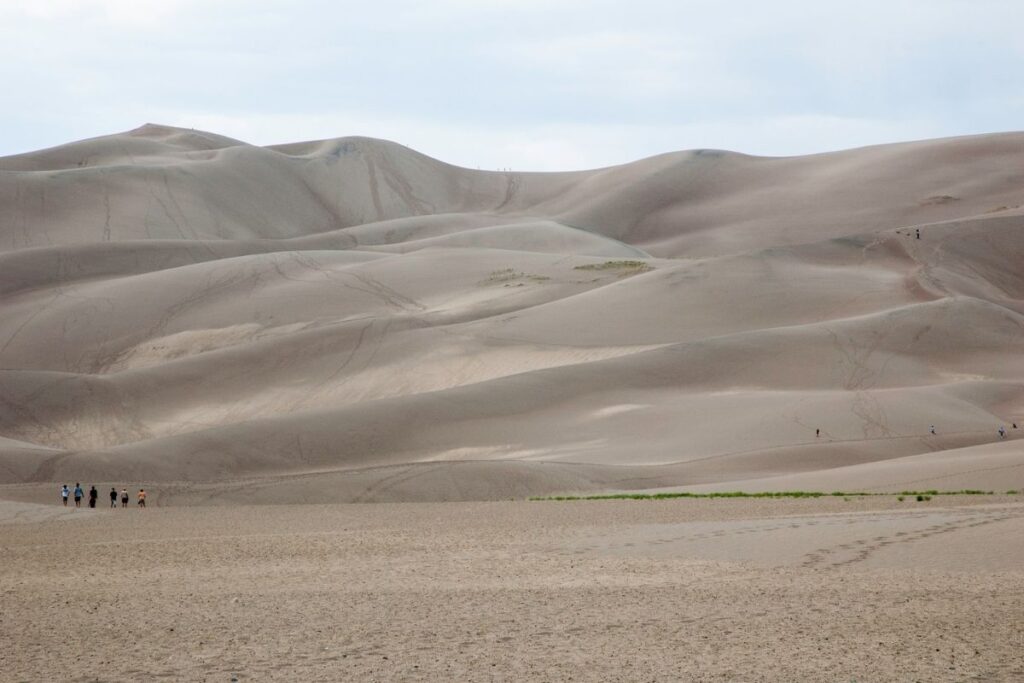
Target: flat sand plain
x: 714, y: 590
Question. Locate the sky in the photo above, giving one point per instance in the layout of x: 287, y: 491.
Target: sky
x: 521, y: 84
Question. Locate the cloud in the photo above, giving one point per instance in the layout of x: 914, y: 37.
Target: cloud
x: 118, y: 13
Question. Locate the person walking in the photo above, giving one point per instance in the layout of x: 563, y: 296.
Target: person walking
x: 932, y: 429
x: 93, y: 495
x: 124, y: 498
x: 64, y: 493
x: 1002, y: 432
x: 78, y: 495
x: 917, y: 231
x: 113, y: 497
x: 142, y: 498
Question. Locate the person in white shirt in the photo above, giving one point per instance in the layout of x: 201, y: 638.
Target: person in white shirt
x: 64, y: 493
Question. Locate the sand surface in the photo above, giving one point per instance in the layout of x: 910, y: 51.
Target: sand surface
x: 716, y: 590
x: 263, y: 336
x: 349, y: 320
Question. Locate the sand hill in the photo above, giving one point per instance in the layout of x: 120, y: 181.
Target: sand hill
x: 350, y: 320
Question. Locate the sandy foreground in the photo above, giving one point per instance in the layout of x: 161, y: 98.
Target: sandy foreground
x: 738, y: 590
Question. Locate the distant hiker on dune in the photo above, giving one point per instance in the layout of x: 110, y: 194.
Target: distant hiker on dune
x: 817, y: 432
x: 932, y: 429
x: 142, y: 498
x: 93, y: 495
x: 1002, y: 432
x: 113, y: 497
x: 124, y: 498
x: 78, y: 495
x: 64, y: 493
x: 918, y: 233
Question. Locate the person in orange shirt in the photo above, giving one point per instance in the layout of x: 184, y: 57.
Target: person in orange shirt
x: 142, y: 498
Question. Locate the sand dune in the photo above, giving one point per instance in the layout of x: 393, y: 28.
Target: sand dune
x: 350, y: 320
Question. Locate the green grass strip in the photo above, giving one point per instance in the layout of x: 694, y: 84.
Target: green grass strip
x: 767, y: 494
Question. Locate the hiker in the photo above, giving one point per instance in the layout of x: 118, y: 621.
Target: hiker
x: 932, y: 429
x: 64, y: 493
x: 918, y: 232
x: 817, y: 432
x: 78, y: 495
x: 113, y: 497
x: 124, y: 498
x: 142, y: 498
x: 1014, y: 425
x: 93, y: 495
x: 1002, y: 432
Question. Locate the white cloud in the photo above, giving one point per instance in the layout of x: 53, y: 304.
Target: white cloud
x: 119, y: 13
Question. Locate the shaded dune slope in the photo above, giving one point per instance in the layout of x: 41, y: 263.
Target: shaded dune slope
x: 349, y: 319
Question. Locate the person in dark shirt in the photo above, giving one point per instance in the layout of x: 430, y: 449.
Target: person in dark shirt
x: 113, y: 497
x: 93, y: 495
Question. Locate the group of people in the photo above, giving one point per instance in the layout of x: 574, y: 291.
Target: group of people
x: 78, y: 493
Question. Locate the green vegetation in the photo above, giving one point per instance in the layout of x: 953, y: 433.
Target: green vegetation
x: 511, y: 278
x: 997, y: 209
x: 727, y: 494
x: 846, y: 495
x: 503, y: 275
x: 962, y: 492
x: 624, y: 267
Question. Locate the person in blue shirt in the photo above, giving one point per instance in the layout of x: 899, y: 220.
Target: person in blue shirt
x: 78, y: 495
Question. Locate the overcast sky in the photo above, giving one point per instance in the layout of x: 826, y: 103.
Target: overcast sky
x: 525, y: 84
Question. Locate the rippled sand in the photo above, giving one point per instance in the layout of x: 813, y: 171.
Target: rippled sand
x: 751, y: 590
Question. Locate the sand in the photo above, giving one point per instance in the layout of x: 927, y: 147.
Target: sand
x: 351, y: 321
x: 715, y: 590
x: 264, y: 336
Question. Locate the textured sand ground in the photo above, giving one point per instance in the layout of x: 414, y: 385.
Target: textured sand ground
x: 717, y: 590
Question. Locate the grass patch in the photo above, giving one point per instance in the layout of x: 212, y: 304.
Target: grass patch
x: 623, y: 267
x: 511, y: 278
x: 717, y: 494
x: 846, y: 495
x: 997, y: 209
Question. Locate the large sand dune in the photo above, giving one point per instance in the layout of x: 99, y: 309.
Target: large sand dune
x: 349, y: 320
